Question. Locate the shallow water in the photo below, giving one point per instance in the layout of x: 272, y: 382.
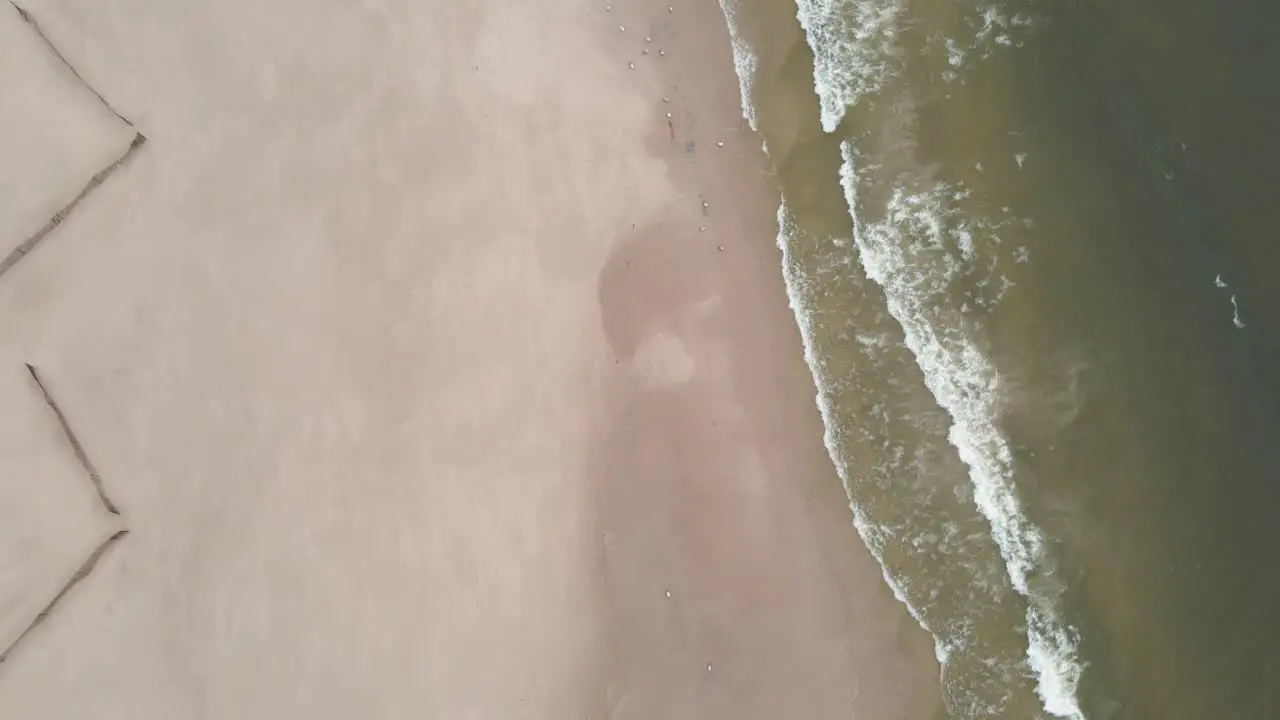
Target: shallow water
x: 1030, y: 245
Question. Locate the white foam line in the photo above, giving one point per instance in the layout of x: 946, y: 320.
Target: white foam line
x: 873, y: 59
x: 744, y: 61
x: 948, y: 639
x: 855, y: 50
x: 966, y: 384
x: 796, y: 298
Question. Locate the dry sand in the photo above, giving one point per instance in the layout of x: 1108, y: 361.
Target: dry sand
x: 415, y: 379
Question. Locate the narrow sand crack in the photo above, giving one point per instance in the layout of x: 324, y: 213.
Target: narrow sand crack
x: 76, y: 447
x: 85, y: 568
x: 27, y: 17
x: 30, y: 243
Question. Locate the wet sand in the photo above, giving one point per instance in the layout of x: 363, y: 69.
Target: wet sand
x: 416, y: 380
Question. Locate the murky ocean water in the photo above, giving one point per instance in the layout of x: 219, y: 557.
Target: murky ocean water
x: 1031, y: 248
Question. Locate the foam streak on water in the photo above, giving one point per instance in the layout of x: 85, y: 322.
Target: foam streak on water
x: 967, y: 385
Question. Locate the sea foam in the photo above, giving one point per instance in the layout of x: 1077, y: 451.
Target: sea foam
x: 967, y: 385
x: 924, y: 520
x: 856, y: 53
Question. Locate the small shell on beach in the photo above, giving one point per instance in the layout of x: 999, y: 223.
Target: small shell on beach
x: 631, y: 65
x: 670, y: 9
x: 702, y: 229
x: 668, y: 593
x: 705, y: 205
x: 622, y: 28
x: 648, y: 39
x: 720, y: 248
x: 666, y: 100
x: 720, y: 143
x: 668, y: 116
x: 662, y: 52
x: 708, y: 667
x: 645, y: 51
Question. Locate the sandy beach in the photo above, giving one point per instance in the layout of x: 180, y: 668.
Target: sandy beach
x: 435, y: 358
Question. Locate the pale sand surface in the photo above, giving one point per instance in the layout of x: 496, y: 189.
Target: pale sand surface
x: 417, y: 386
